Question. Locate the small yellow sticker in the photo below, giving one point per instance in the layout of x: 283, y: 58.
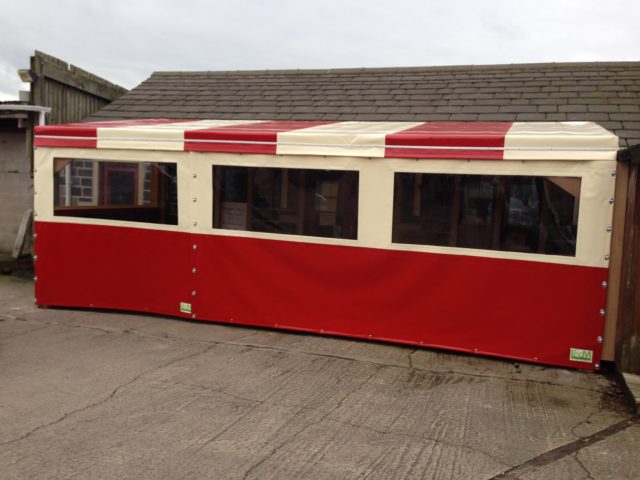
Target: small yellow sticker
x: 185, y: 307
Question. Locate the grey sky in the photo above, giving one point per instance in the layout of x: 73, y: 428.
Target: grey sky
x: 125, y: 40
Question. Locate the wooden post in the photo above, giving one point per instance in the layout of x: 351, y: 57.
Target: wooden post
x: 417, y: 194
x: 498, y: 212
x: 628, y: 326
x: 217, y: 195
x: 615, y: 263
x: 302, y: 192
x: 23, y: 231
x: 454, y: 219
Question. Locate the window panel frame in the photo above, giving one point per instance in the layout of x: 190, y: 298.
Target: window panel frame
x: 100, y: 182
x: 286, y: 185
x: 472, y: 224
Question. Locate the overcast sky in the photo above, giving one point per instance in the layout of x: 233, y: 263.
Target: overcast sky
x: 124, y: 41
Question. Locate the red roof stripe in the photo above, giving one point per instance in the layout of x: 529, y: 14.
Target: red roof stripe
x: 68, y: 130
x: 449, y: 134
x: 249, y: 132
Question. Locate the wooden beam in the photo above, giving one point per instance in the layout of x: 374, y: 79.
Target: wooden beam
x: 74, y: 79
x: 22, y: 233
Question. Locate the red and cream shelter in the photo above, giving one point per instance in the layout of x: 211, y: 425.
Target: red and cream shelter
x: 481, y: 237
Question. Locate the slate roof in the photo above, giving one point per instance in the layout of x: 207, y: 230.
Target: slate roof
x: 604, y: 92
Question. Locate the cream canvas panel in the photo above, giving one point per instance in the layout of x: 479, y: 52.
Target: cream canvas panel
x: 375, y: 206
x: 597, y: 188
x: 165, y: 136
x: 559, y: 141
x: 353, y: 139
x: 375, y: 196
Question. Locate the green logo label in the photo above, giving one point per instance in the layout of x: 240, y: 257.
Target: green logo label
x: 579, y: 355
x: 185, y: 307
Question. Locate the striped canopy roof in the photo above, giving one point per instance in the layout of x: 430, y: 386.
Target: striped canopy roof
x: 419, y: 140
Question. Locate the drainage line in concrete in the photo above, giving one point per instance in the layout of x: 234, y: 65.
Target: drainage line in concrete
x: 564, y: 450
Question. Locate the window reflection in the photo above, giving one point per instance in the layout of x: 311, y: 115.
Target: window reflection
x: 126, y: 191
x: 491, y: 212
x: 321, y: 203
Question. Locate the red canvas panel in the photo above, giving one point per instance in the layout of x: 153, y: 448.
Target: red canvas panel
x: 112, y: 267
x: 449, y: 134
x: 516, y: 309
x: 523, y: 310
x: 266, y: 132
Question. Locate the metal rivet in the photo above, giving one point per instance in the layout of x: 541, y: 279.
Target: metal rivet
x: 370, y: 336
x: 535, y: 359
x: 193, y: 270
x: 195, y: 199
x: 195, y: 224
x: 613, y: 173
x: 193, y: 294
x: 195, y: 246
x: 609, y: 228
x: 275, y: 324
x: 611, y: 200
x: 35, y: 193
x: 604, y: 284
x: 600, y: 339
x: 597, y: 365
x: 606, y: 257
x: 35, y: 214
x: 35, y: 235
x: 321, y: 330
x: 35, y: 170
x: 195, y: 175
x: 35, y: 257
x: 421, y: 342
x: 603, y: 312
x: 35, y: 279
x: 193, y: 316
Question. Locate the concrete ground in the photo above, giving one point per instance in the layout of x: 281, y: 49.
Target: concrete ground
x: 96, y: 395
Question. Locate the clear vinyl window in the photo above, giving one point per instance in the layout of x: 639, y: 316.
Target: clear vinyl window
x: 492, y: 212
x: 319, y: 203
x: 124, y: 191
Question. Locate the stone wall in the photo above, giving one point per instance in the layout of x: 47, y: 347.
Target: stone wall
x: 82, y: 179
x: 85, y: 183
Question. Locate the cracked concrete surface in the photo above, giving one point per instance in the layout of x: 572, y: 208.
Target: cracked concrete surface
x: 111, y: 395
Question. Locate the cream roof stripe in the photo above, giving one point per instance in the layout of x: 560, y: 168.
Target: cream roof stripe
x: 559, y: 141
x: 353, y: 139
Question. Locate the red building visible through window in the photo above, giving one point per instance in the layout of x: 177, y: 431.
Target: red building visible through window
x: 119, y: 183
